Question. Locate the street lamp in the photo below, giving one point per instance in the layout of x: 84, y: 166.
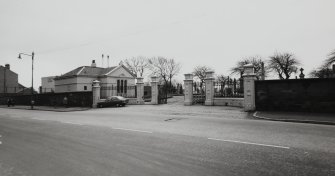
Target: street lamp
x: 32, y: 77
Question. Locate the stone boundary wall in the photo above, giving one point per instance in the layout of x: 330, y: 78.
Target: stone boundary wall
x: 234, y: 102
x: 304, y: 95
x: 132, y: 101
x: 75, y: 99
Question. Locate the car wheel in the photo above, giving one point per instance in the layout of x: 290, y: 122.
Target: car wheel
x: 100, y: 105
x: 117, y: 105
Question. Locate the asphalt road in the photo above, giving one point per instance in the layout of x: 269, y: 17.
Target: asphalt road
x: 138, y: 141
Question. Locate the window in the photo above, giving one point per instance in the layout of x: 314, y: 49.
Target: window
x: 85, y: 87
x: 125, y: 86
x: 121, y: 86
x: 118, y: 86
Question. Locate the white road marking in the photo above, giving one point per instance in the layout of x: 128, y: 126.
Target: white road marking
x: 73, y: 123
x: 251, y: 143
x: 0, y: 142
x: 132, y: 130
x: 38, y: 118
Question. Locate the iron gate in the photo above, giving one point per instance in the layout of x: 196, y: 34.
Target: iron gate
x: 162, y: 94
x: 199, y: 96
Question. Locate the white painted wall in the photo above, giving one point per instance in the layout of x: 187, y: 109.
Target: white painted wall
x: 48, y: 84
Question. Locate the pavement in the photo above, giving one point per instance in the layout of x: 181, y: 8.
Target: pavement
x: 46, y: 108
x: 299, y: 117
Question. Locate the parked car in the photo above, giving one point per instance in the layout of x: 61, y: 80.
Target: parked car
x: 113, y: 101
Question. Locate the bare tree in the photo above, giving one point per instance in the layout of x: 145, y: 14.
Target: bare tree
x: 324, y: 71
x: 200, y: 73
x: 173, y: 68
x: 284, y: 64
x: 221, y: 78
x: 165, y: 68
x: 321, y: 73
x: 331, y: 59
x: 257, y: 61
x: 137, y: 65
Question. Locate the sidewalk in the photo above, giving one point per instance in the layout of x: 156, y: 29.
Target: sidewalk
x: 47, y: 108
x: 301, y: 117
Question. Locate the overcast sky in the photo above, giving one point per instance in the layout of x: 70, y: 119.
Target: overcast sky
x: 66, y: 34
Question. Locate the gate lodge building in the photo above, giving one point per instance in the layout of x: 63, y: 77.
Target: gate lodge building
x: 114, y: 80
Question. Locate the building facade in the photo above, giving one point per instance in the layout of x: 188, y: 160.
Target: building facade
x: 8, y: 80
x: 113, y: 80
x: 48, y: 84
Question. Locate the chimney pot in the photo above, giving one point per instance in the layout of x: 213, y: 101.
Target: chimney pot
x: 7, y: 66
x: 93, y: 63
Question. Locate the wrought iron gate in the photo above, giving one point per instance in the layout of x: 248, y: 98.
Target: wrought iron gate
x: 199, y: 95
x: 162, y: 94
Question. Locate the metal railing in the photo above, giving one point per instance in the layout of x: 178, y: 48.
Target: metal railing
x: 126, y: 91
x: 229, y: 88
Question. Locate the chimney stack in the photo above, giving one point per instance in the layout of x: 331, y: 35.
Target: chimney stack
x: 93, y: 64
x: 7, y: 66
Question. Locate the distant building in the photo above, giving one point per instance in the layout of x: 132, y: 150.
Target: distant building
x: 113, y: 79
x: 9, y: 80
x: 48, y: 84
x: 26, y: 91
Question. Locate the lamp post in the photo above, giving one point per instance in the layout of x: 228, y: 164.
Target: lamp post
x: 32, y: 77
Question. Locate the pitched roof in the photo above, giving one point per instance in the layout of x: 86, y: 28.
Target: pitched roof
x: 87, y: 71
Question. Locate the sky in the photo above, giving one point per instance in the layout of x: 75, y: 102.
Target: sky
x: 66, y: 34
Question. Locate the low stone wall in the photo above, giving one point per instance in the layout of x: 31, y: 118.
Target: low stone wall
x: 75, y: 99
x: 132, y: 101
x: 235, y: 102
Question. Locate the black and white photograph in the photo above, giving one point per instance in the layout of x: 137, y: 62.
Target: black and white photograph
x: 167, y: 87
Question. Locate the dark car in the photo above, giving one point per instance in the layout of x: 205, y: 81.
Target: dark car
x: 113, y: 101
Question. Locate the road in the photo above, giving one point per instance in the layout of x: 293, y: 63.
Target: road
x: 160, y: 140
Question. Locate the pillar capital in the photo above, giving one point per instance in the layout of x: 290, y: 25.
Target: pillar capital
x: 188, y: 77
x: 139, y: 80
x: 96, y: 83
x: 154, y: 79
x: 249, y: 70
x: 210, y: 74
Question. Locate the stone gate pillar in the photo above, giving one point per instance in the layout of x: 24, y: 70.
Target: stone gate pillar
x: 154, y: 90
x: 96, y: 93
x: 209, y: 80
x: 188, y: 89
x: 140, y: 90
x: 249, y: 78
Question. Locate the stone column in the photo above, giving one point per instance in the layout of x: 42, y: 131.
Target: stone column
x: 154, y: 90
x: 188, y: 89
x: 249, y: 78
x: 209, y: 80
x: 140, y: 90
x: 96, y: 93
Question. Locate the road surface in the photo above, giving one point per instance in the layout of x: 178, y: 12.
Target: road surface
x: 160, y: 140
